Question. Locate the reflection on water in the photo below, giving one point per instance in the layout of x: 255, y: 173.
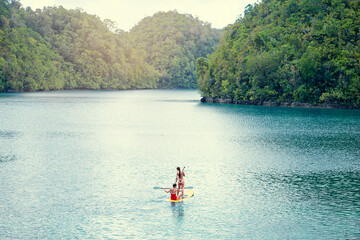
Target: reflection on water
x: 177, y: 209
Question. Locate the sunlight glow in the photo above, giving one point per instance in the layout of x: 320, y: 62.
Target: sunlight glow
x: 128, y: 13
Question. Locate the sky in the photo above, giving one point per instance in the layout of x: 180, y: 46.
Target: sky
x: 127, y: 13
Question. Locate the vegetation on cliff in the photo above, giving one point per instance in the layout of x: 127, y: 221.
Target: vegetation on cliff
x: 288, y: 50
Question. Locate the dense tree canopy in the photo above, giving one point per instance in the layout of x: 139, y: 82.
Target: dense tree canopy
x: 101, y: 58
x: 27, y: 61
x: 172, y: 42
x: 56, y: 48
x: 288, y: 50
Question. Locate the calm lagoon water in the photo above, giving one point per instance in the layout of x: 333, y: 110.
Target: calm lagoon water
x: 83, y: 164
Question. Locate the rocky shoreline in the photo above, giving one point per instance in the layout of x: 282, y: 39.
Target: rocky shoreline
x: 276, y: 104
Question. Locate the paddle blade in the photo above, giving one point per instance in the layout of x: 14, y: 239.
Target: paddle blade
x: 169, y: 188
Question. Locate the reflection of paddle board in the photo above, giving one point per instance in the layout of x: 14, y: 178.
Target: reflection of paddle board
x: 188, y: 194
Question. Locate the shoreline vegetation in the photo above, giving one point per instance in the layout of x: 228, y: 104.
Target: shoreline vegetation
x: 277, y: 104
x: 285, y: 52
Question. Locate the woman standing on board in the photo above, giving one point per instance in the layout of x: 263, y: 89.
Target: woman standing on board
x: 180, y: 176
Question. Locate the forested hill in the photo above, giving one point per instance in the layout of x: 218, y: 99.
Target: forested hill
x: 288, y: 50
x: 56, y: 48
x: 171, y: 42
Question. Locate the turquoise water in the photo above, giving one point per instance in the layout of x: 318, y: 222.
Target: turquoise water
x: 83, y: 164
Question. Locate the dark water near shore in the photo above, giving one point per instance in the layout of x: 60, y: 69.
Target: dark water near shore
x: 83, y: 164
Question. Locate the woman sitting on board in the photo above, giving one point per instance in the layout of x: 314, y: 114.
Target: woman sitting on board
x: 174, y: 192
x: 180, y: 176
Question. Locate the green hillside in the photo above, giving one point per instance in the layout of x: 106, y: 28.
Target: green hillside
x: 56, y: 48
x: 288, y: 50
x: 171, y: 42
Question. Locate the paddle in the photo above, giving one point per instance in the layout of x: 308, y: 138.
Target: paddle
x: 169, y: 188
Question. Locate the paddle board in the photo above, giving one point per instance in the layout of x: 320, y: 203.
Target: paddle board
x: 188, y: 194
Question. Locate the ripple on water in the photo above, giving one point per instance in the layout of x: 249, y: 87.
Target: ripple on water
x: 9, y: 134
x: 335, y: 191
x: 7, y: 158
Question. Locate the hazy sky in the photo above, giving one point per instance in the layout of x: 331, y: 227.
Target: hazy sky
x: 128, y: 13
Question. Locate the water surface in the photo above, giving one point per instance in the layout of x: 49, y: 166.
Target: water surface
x: 83, y: 164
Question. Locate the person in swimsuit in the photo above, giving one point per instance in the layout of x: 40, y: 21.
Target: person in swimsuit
x: 180, y: 176
x: 174, y: 193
